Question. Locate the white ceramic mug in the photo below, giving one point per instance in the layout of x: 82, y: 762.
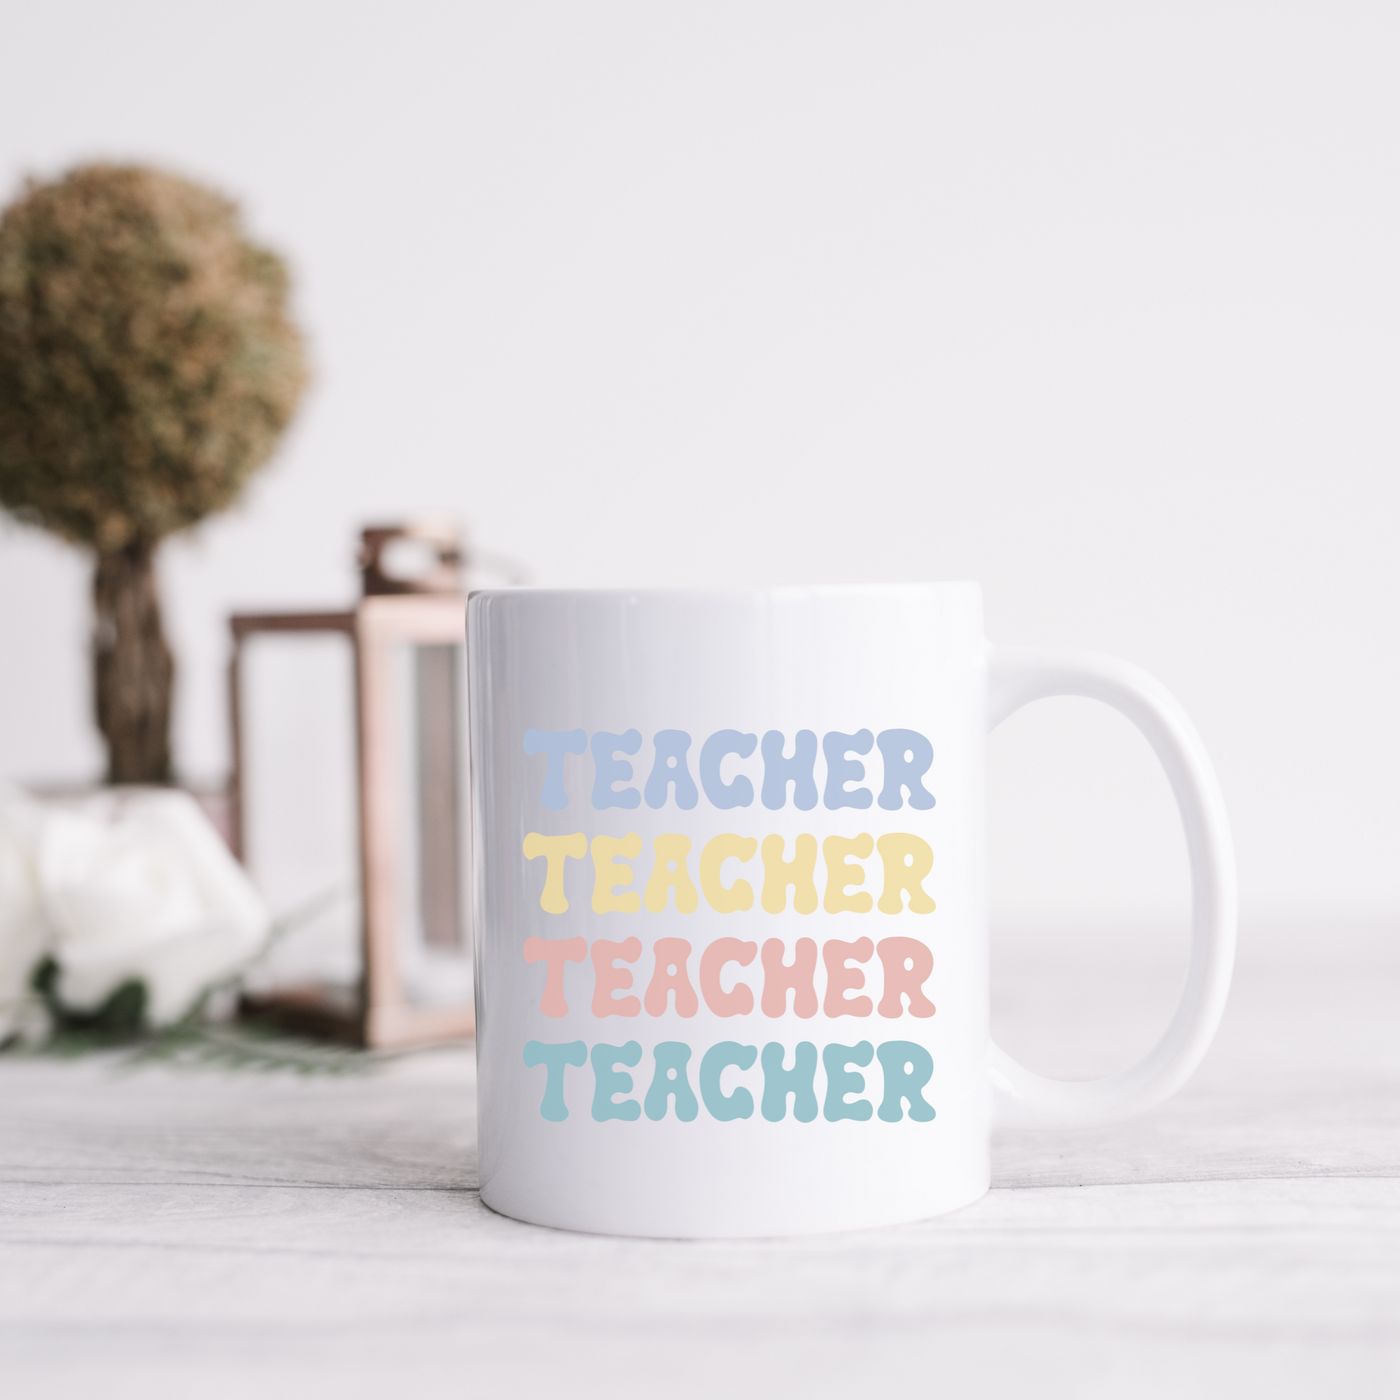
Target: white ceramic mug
x: 729, y: 884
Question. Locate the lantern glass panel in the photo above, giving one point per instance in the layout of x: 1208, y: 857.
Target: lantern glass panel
x: 428, y: 687
x: 300, y: 804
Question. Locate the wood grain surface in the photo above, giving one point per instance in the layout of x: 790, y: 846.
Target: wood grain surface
x: 310, y: 1226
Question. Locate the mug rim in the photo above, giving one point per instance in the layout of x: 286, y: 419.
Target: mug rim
x: 716, y: 593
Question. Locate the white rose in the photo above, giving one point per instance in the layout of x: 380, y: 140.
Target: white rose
x: 23, y: 934
x: 138, y: 885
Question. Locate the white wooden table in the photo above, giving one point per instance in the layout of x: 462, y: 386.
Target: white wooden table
x: 170, y: 1229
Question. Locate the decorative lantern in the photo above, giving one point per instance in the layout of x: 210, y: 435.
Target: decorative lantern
x: 406, y: 637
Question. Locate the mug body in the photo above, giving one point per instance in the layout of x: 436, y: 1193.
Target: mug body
x: 729, y: 907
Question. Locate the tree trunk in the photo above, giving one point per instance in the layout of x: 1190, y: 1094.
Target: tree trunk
x: 132, y: 667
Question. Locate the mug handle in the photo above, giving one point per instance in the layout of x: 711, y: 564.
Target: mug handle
x: 1015, y: 677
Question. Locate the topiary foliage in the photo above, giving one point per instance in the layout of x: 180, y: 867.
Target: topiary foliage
x: 147, y: 369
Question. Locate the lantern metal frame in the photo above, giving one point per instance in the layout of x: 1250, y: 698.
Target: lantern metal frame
x: 384, y: 1017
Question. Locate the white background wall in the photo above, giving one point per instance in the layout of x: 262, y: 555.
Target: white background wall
x: 1099, y: 304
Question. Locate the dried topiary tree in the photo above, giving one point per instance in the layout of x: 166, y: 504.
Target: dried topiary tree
x: 147, y: 368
